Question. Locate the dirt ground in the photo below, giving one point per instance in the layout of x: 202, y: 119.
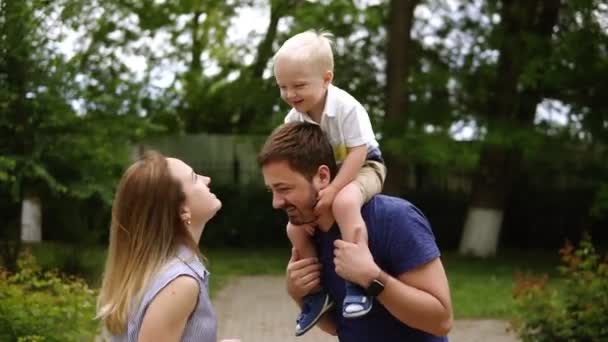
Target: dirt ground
x: 257, y: 309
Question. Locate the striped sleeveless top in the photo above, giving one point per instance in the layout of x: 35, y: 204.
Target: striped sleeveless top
x: 202, y: 323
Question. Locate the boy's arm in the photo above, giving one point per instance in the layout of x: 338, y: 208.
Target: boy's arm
x: 350, y: 167
x: 348, y: 172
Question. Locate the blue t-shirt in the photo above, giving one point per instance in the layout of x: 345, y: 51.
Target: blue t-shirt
x: 400, y: 239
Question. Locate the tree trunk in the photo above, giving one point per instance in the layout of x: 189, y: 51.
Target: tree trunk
x: 398, y: 56
x: 31, y: 219
x: 491, y: 187
x: 264, y: 53
x: 499, y: 165
x: 398, y: 59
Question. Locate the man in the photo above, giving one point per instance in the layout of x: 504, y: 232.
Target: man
x: 400, y: 268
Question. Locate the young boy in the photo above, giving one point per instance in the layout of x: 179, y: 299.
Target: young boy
x: 303, y: 69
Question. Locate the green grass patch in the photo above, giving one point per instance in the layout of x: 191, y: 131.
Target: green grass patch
x: 480, y: 288
x: 483, y: 288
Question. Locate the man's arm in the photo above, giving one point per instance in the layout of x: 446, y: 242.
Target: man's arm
x: 419, y: 298
x: 303, y: 276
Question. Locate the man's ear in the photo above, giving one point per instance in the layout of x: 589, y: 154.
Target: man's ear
x: 323, y: 177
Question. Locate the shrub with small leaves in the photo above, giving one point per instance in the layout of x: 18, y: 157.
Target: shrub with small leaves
x: 573, y: 309
x: 38, y: 305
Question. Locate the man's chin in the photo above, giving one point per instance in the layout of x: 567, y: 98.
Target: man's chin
x: 298, y: 222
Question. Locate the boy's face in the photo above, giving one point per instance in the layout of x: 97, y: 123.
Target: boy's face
x: 302, y: 85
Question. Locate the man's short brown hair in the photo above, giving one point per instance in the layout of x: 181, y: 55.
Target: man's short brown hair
x: 301, y: 144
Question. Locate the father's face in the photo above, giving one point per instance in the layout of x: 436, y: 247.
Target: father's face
x: 291, y: 191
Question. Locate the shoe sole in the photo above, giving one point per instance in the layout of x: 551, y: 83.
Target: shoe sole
x: 357, y: 313
x: 326, y: 306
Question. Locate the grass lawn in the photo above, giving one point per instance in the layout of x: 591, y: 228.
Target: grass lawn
x: 481, y: 288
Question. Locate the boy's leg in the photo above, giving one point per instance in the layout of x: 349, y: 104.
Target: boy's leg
x: 301, y: 239
x: 315, y: 304
x: 347, y: 212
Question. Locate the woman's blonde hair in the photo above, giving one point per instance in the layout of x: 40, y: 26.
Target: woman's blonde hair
x: 145, y: 232
x: 313, y: 47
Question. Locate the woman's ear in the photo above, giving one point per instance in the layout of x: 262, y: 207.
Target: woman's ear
x: 184, y: 214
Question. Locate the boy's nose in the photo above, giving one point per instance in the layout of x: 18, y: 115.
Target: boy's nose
x: 290, y: 94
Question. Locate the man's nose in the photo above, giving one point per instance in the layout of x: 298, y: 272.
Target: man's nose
x: 277, y: 201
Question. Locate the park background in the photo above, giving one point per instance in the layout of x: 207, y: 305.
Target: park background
x: 492, y: 117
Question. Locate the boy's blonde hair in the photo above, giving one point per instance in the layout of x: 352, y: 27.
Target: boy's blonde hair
x: 313, y: 47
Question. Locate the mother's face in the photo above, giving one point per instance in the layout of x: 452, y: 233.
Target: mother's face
x: 201, y: 204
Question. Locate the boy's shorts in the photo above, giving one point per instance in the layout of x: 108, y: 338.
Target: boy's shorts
x: 370, y: 179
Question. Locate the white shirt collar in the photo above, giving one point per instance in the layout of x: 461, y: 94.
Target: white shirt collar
x: 331, y: 105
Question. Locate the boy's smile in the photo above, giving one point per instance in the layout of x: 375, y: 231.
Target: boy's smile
x: 302, y: 86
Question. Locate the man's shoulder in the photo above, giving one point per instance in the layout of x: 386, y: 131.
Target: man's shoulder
x: 383, y: 209
x: 388, y: 203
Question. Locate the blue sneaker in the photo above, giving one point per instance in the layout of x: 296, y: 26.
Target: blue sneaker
x: 313, y: 307
x: 356, y: 302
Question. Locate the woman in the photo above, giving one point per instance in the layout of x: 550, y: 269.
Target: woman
x: 155, y: 286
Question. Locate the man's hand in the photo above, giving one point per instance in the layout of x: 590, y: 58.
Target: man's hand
x: 354, y: 262
x: 303, y: 275
x: 325, y: 199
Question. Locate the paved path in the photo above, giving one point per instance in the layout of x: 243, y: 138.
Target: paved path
x: 257, y: 309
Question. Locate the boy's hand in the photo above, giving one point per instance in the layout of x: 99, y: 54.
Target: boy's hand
x: 309, y: 228
x: 325, y: 199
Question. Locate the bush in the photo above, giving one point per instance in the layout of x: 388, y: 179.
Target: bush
x: 576, y: 309
x: 45, y: 306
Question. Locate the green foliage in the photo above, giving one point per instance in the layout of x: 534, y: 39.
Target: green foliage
x: 45, y: 306
x: 262, y: 226
x: 600, y: 204
x: 577, y: 310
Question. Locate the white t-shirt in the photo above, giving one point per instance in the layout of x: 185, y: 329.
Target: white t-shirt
x: 344, y: 120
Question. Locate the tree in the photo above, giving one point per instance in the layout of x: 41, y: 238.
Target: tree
x: 525, y: 37
x: 48, y: 150
x: 398, y: 63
